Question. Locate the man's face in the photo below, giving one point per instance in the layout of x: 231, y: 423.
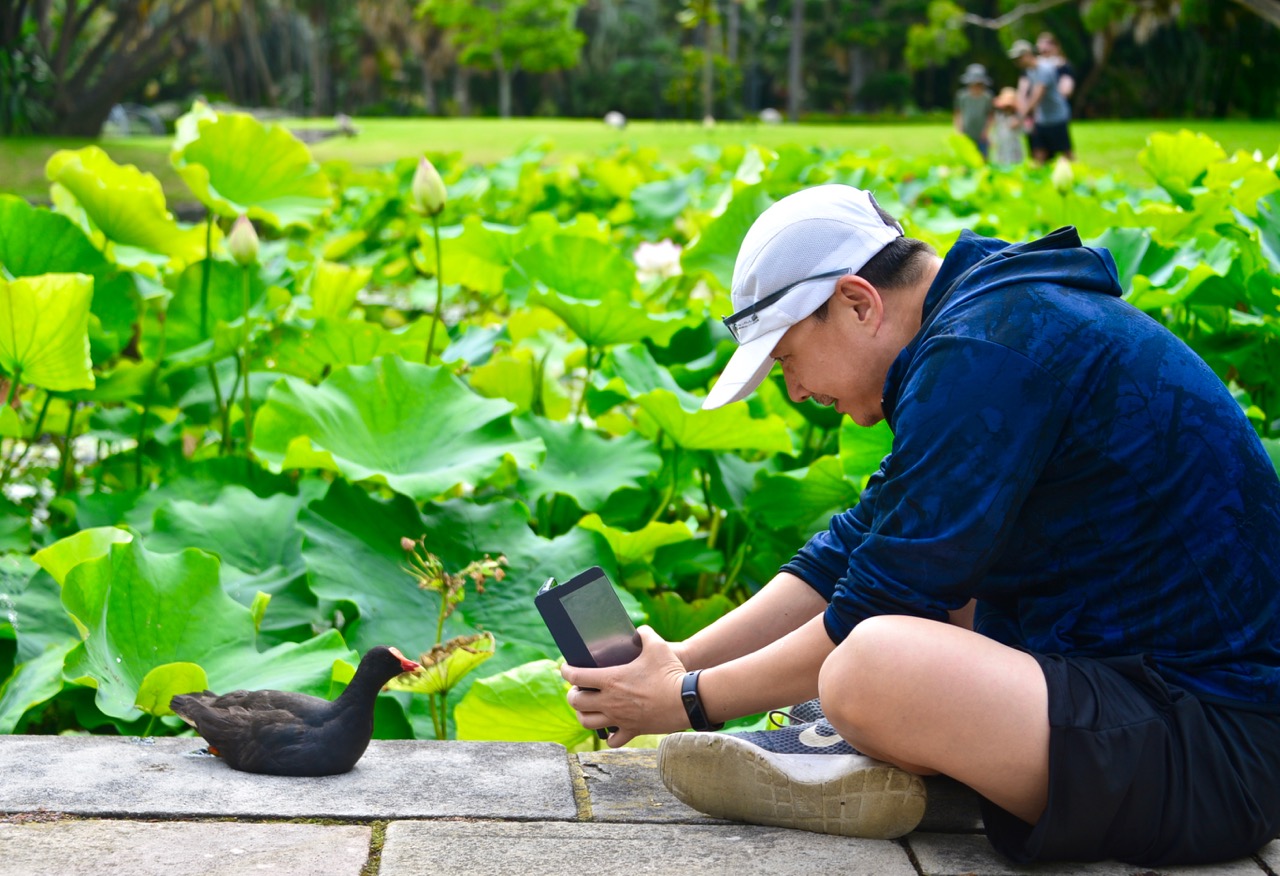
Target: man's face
x: 837, y: 362
x: 1027, y: 60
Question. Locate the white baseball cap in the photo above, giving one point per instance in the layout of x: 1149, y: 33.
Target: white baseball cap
x: 787, y: 267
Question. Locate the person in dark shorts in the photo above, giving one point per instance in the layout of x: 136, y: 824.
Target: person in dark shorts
x: 1044, y: 104
x: 1060, y: 588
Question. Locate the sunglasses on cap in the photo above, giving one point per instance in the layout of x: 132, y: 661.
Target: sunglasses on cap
x: 748, y: 315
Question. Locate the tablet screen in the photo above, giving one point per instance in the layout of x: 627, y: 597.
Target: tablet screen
x: 602, y: 622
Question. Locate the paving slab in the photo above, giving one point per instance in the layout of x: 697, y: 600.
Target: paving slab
x: 416, y: 848
x: 1270, y: 856
x: 91, y: 848
x: 971, y: 855
x: 122, y: 776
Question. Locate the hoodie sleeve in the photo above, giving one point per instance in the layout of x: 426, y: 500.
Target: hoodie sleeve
x: 974, y: 427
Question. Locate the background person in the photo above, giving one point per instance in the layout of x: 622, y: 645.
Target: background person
x: 1006, y: 130
x: 1060, y: 461
x: 973, y: 113
x: 1044, y: 104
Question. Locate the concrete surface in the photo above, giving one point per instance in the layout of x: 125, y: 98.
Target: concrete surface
x: 110, y: 805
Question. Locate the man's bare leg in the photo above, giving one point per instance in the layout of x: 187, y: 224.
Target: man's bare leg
x: 932, y: 697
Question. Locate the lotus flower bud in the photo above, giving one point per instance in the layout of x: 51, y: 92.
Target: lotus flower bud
x: 1063, y: 177
x: 428, y: 189
x: 242, y: 242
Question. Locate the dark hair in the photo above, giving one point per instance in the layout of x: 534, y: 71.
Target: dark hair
x: 901, y: 263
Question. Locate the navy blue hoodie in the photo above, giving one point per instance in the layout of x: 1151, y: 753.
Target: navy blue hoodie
x: 1064, y: 459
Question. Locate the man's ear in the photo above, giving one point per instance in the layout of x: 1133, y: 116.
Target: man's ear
x: 864, y: 299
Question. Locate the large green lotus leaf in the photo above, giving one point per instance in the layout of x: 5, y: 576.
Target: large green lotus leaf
x: 335, y: 343
x: 145, y: 610
x: 333, y: 288
x: 728, y: 428
x: 524, y: 704
x: 413, y: 427
x: 612, y: 319
x: 1179, y: 162
x: 715, y: 249
x: 351, y: 548
x: 639, y: 546
x: 577, y: 267
x: 476, y: 255
x: 259, y: 544
x: 44, y: 330
x: 236, y: 165
x: 127, y: 206
x: 582, y: 463
x: 803, y: 496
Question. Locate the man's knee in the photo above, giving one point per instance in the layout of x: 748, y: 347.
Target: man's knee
x: 857, y: 677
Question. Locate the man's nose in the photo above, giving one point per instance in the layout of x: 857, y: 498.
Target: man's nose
x: 797, y: 392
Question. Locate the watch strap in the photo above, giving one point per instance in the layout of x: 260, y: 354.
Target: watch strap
x: 693, y: 703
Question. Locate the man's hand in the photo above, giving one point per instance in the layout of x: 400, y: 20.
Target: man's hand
x: 640, y: 697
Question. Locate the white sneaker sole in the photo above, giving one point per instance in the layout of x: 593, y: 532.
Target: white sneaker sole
x: 842, y: 794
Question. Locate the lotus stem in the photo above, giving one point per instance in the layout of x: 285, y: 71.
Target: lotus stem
x: 151, y: 391
x: 244, y: 367
x: 66, y: 449
x: 435, y: 317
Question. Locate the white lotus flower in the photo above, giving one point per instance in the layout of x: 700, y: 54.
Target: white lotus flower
x: 657, y: 261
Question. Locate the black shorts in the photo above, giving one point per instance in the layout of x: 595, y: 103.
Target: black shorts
x: 1143, y: 772
x: 1053, y: 139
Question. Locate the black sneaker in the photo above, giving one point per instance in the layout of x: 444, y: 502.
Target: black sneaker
x: 803, y: 713
x: 803, y: 776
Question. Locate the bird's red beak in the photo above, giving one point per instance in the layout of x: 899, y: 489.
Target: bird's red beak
x: 406, y: 665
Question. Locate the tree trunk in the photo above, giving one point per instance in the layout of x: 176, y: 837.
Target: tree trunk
x: 857, y: 76
x: 321, y: 88
x: 732, y: 31
x: 462, y: 90
x: 708, y: 70
x: 504, y: 75
x: 795, y: 58
x: 253, y: 42
x: 430, y: 94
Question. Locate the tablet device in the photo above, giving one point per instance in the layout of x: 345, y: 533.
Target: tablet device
x: 588, y: 622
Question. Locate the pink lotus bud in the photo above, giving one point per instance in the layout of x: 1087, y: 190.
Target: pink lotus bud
x: 407, y: 544
x: 428, y: 189
x: 242, y: 242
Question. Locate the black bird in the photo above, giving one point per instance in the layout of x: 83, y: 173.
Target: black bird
x: 282, y: 733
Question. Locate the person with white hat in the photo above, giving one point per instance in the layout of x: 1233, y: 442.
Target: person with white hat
x: 1060, y: 588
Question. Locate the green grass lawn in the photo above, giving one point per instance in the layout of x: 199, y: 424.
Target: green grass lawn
x: 1103, y: 145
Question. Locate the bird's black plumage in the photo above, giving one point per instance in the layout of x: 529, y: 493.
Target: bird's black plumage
x: 292, y: 734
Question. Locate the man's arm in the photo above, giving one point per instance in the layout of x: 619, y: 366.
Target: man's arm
x: 784, y: 605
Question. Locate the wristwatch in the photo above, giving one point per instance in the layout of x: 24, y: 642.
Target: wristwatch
x: 693, y: 704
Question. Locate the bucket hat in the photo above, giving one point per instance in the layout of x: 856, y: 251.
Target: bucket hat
x: 975, y: 73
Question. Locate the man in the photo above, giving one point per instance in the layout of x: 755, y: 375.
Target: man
x: 1044, y: 104
x: 974, y: 109
x: 1063, y: 465
x: 1049, y: 49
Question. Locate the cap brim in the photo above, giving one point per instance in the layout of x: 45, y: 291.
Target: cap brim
x: 747, y: 369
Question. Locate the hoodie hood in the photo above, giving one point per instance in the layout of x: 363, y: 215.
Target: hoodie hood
x: 977, y: 266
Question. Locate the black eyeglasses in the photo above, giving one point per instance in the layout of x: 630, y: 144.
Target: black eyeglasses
x: 733, y: 322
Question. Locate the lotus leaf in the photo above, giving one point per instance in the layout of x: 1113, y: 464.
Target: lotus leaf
x: 333, y: 288
x: 524, y: 704
x: 582, y: 463
x: 1179, y: 162
x: 715, y: 249
x: 236, y: 165
x: 127, y: 206
x: 446, y: 664
x: 612, y: 319
x: 44, y: 330
x: 413, y: 427
x: 143, y: 610
x: 804, y: 497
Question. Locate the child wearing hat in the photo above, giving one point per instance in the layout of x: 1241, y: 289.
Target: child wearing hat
x: 973, y: 108
x: 1006, y: 131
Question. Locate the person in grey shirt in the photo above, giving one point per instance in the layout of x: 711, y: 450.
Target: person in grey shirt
x: 1044, y: 104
